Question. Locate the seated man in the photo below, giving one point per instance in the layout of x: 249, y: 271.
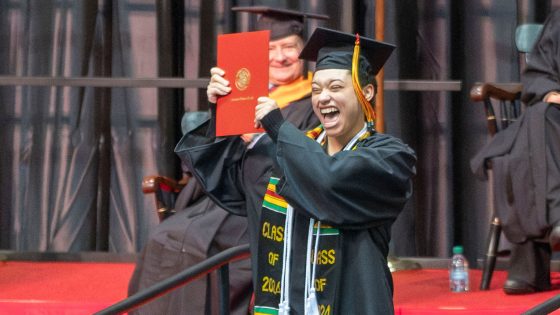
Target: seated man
x: 526, y: 160
x: 200, y: 228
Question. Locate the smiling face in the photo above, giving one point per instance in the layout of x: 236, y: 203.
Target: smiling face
x: 335, y: 103
x: 283, y: 59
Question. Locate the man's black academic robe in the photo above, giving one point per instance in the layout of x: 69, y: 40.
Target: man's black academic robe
x: 526, y: 191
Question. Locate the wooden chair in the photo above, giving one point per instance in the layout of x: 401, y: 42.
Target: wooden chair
x: 166, y: 189
x: 503, y: 99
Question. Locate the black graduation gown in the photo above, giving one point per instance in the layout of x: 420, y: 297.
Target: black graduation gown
x: 252, y: 165
x: 523, y: 173
x: 519, y: 166
x: 199, y: 229
x: 360, y: 192
x: 542, y: 73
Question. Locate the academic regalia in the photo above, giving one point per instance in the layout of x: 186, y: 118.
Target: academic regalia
x: 522, y: 147
x: 201, y: 228
x: 356, y: 195
x: 280, y: 22
x: 380, y: 164
x: 518, y: 164
x: 254, y: 162
x: 542, y: 73
x: 198, y: 230
x: 525, y: 164
x: 542, y: 76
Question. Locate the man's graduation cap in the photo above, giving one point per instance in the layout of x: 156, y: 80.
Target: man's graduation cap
x: 280, y: 22
x: 363, y: 56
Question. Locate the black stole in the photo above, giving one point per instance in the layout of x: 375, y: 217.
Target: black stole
x: 271, y: 251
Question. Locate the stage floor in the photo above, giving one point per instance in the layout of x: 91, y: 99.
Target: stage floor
x: 426, y: 292
x: 84, y: 288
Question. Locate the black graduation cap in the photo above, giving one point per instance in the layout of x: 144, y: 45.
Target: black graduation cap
x: 332, y: 49
x: 280, y: 22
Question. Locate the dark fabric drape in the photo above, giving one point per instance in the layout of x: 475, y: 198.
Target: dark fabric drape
x: 73, y: 158
x: 7, y: 120
x: 424, y: 121
x: 53, y: 140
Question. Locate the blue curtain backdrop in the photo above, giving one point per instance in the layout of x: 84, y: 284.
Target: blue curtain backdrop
x: 73, y: 158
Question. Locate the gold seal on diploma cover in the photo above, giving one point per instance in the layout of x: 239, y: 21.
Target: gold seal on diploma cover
x: 242, y: 79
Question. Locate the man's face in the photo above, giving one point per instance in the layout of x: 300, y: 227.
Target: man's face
x: 283, y: 62
x: 335, y: 103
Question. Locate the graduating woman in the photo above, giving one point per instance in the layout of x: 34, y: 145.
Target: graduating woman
x: 333, y: 193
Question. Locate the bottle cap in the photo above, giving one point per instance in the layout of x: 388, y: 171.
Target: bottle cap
x: 457, y: 249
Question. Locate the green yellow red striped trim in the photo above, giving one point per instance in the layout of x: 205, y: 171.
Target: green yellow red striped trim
x: 265, y: 310
x: 314, y: 133
x: 272, y: 200
x: 327, y: 231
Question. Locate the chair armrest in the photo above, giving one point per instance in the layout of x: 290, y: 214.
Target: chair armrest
x: 150, y: 184
x: 499, y: 91
x: 165, y: 190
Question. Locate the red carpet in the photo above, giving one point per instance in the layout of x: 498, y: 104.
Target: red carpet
x: 84, y: 288
x: 426, y: 292
x: 61, y: 287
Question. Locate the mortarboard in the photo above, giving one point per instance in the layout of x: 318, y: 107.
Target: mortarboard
x: 363, y: 56
x: 280, y: 22
x: 332, y: 49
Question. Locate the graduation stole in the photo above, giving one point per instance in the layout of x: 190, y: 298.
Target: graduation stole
x: 274, y: 255
x: 298, y: 89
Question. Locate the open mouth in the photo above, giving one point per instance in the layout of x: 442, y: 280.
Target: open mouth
x: 330, y: 116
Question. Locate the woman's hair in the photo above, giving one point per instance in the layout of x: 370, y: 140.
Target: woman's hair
x: 366, y: 77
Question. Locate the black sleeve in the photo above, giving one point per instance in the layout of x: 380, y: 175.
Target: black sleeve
x: 211, y: 131
x: 352, y: 189
x: 542, y: 74
x: 216, y: 164
x: 272, y: 122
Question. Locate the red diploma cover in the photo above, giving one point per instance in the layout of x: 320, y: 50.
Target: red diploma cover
x: 244, y: 58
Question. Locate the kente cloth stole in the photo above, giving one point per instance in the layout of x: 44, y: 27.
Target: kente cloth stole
x: 271, y: 251
x: 298, y: 89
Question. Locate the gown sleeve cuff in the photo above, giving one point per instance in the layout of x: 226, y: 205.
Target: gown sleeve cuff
x: 211, y: 131
x: 272, y: 122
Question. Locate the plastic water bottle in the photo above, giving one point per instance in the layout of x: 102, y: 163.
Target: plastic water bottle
x: 458, y: 271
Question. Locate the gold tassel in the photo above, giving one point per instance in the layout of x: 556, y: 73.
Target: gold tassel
x: 366, y: 106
